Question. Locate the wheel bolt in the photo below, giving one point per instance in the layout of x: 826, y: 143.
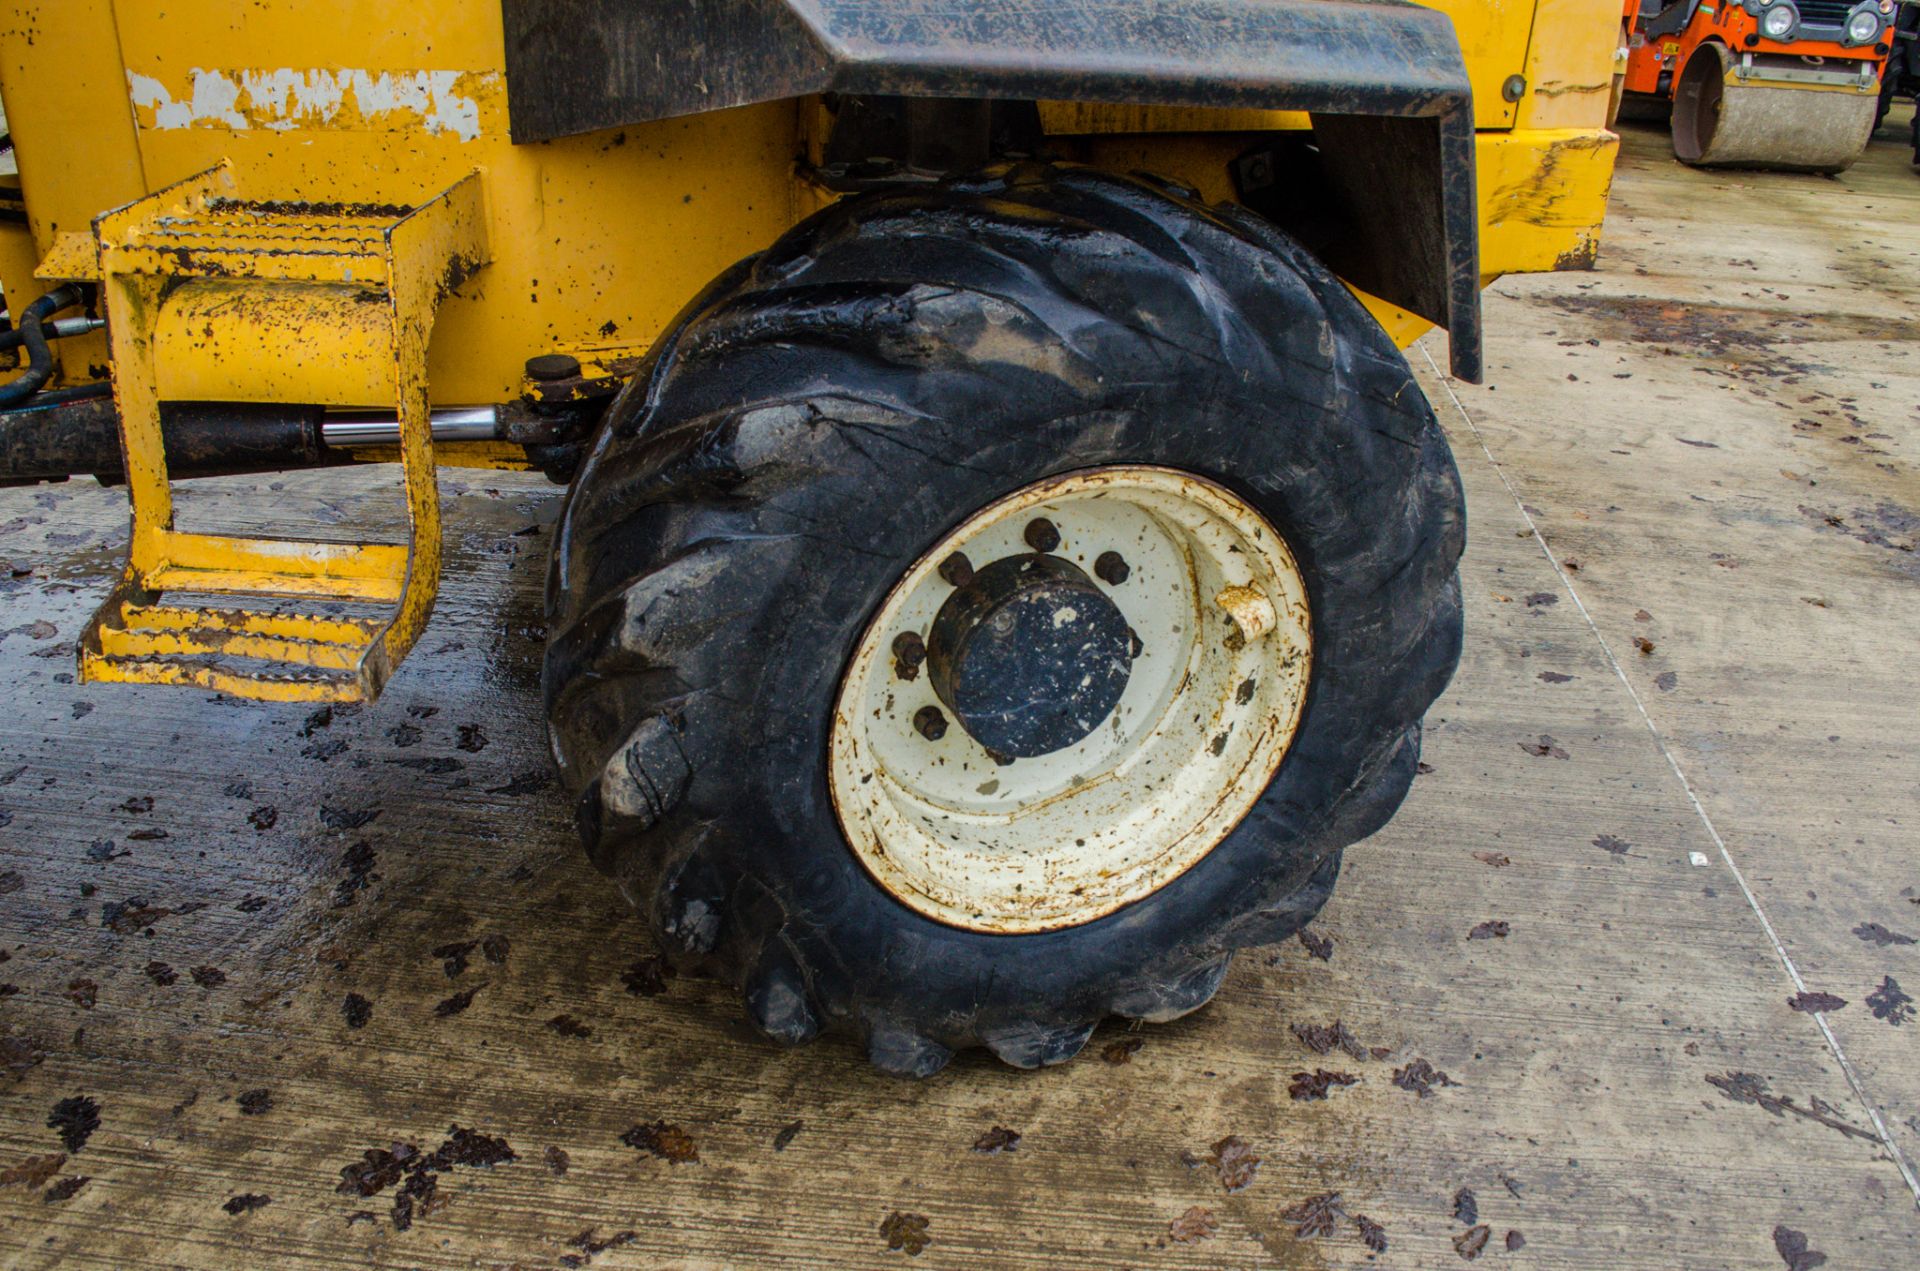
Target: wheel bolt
x: 957, y: 570
x: 909, y: 651
x: 930, y: 723
x: 1041, y: 535
x: 1111, y: 568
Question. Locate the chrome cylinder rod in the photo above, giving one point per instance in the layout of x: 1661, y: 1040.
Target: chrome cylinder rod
x: 372, y: 428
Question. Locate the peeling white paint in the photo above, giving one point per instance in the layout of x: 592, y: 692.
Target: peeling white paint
x: 287, y: 99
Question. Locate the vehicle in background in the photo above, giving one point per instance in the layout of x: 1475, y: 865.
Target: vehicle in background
x: 1781, y: 84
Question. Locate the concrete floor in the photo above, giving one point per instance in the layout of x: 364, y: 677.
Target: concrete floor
x: 1677, y: 761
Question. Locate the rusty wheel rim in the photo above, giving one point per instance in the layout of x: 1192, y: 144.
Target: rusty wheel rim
x: 1218, y: 666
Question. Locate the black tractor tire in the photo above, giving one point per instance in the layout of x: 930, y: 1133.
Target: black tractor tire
x: 816, y: 422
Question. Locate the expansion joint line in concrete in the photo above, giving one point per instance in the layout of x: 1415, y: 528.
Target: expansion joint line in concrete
x: 1753, y: 902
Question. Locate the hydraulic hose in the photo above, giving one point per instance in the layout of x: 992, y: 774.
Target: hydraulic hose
x: 39, y: 356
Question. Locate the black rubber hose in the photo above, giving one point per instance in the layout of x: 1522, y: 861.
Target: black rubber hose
x: 39, y: 356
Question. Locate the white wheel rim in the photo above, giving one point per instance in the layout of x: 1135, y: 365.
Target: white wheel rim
x: 1211, y: 704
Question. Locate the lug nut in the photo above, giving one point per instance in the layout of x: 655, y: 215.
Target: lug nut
x: 1111, y: 568
x: 909, y: 651
x: 930, y: 723
x: 957, y: 570
x: 1041, y: 535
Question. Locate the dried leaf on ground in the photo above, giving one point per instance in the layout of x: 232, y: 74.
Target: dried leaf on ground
x: 906, y: 1232
x: 1315, y: 1216
x: 1889, y: 1003
x: 1322, y: 1039
x: 1492, y: 929
x: 1233, y: 1160
x: 1468, y: 1244
x: 1315, y: 1085
x: 997, y: 1140
x: 666, y: 1141
x: 1192, y: 1227
x: 1421, y: 1077
x: 1793, y: 1249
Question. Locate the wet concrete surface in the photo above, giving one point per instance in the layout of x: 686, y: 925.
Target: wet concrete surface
x: 301, y: 988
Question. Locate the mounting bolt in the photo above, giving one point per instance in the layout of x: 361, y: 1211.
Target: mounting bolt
x: 1514, y: 88
x: 930, y: 723
x: 957, y: 570
x: 553, y: 366
x: 1041, y: 535
x: 1111, y: 568
x: 909, y: 651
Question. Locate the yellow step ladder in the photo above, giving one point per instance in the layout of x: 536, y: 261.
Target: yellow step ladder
x: 215, y: 295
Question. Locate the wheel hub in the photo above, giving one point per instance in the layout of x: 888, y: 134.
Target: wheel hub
x: 1065, y: 729
x: 1030, y: 656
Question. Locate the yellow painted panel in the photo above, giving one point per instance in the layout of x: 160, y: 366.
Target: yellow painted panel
x: 1570, y: 65
x: 596, y: 238
x: 1493, y: 36
x: 73, y: 135
x: 256, y: 341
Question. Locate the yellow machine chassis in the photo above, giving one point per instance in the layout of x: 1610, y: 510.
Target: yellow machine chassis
x: 126, y: 113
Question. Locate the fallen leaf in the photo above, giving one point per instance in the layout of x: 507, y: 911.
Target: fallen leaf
x: 1515, y: 1242
x: 1234, y: 1162
x: 1123, y: 1050
x: 1372, y: 1234
x: 246, y: 1201
x: 647, y: 978
x: 997, y: 1140
x: 1608, y: 843
x: 1468, y: 1244
x: 1315, y: 1216
x: 1875, y: 934
x: 1498, y: 860
x: 787, y: 1134
x: 1191, y: 1227
x: 906, y: 1232
x: 668, y: 1142
x: 457, y: 1003
x: 65, y: 1189
x: 1320, y: 947
x: 1554, y: 677
x: 1793, y: 1249
x: 1492, y: 929
x: 1421, y: 1077
x: 1466, y: 1207
x: 568, y: 1026
x: 34, y: 1171
x: 1666, y: 681
x: 1644, y: 645
x: 1890, y: 1004
x: 1811, y: 1002
x: 75, y: 1119
x: 1308, y: 1086
x: 1545, y: 748
x: 1321, y: 1039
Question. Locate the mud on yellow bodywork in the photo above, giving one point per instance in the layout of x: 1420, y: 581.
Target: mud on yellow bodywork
x: 596, y: 240
x: 601, y: 239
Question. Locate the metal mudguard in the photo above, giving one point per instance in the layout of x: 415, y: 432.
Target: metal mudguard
x: 1384, y: 77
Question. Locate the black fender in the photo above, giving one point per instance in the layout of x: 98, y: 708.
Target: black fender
x: 1384, y: 80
